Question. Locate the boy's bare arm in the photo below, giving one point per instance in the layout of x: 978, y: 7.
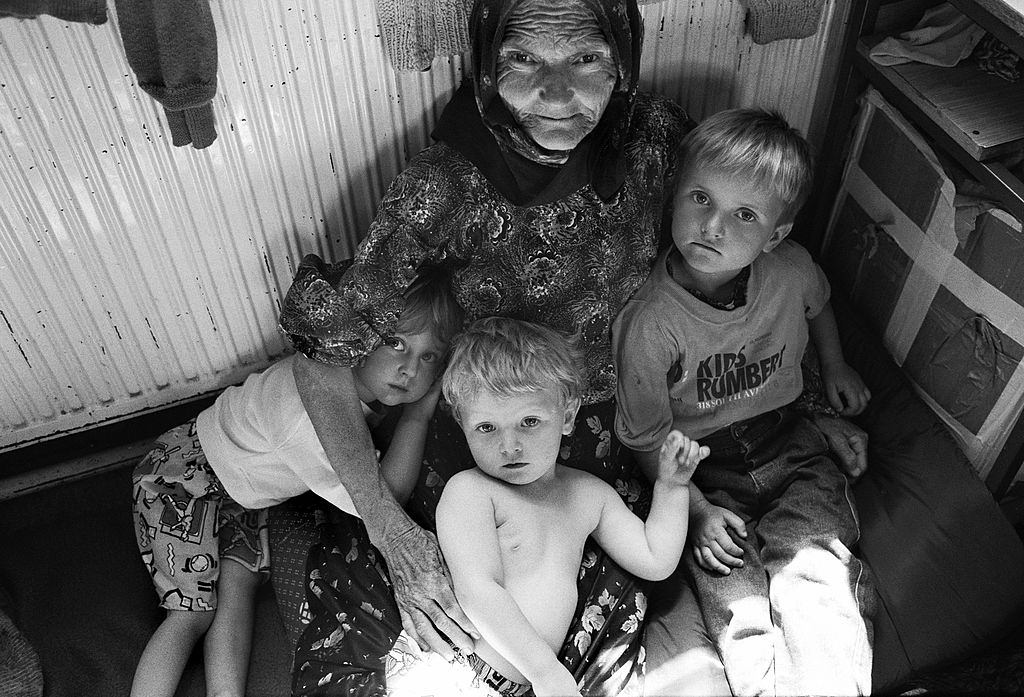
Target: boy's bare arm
x: 651, y: 548
x: 843, y: 386
x: 425, y: 598
x: 467, y: 533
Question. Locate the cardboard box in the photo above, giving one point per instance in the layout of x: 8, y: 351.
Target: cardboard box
x: 937, y: 277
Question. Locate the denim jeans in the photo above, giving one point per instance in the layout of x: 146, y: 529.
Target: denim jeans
x: 795, y: 618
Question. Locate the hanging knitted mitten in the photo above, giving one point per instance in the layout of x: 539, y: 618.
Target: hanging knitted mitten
x: 408, y: 30
x: 451, y: 26
x: 771, y: 20
x: 171, y: 46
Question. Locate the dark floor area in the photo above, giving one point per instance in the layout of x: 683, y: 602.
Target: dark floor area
x: 80, y: 594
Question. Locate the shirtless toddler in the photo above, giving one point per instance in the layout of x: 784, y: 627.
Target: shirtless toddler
x: 512, y: 529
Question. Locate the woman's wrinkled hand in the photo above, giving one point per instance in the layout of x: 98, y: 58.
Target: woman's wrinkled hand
x: 711, y: 544
x: 423, y: 591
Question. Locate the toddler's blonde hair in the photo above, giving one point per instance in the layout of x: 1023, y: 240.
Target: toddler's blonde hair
x: 510, y: 357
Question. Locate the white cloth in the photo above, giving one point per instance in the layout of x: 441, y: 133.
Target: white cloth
x: 261, y: 444
x: 943, y: 37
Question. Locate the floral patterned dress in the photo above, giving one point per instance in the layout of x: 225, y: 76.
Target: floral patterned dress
x: 570, y: 264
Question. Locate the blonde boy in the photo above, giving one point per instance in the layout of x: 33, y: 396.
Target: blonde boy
x: 711, y: 345
x: 512, y: 528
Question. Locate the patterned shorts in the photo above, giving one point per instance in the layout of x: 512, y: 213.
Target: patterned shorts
x: 186, y: 523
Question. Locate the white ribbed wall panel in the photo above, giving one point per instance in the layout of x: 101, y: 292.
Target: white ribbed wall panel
x: 697, y: 53
x: 135, y: 275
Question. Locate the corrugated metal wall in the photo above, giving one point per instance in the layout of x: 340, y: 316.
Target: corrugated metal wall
x: 134, y: 275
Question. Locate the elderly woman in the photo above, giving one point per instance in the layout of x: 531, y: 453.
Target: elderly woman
x: 544, y: 198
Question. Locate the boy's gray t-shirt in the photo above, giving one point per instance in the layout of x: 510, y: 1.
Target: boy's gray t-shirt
x: 683, y: 364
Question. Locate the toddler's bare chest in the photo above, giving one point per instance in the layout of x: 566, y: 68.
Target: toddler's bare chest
x: 542, y: 539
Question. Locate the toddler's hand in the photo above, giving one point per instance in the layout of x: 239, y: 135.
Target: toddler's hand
x: 846, y: 392
x: 710, y: 542
x: 679, y: 457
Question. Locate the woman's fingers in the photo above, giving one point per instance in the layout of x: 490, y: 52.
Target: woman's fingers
x: 456, y: 626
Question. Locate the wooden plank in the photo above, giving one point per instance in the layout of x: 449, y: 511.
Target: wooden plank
x: 1004, y: 18
x: 35, y: 480
x: 982, y: 113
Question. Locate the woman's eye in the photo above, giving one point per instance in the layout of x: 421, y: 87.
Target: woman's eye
x: 531, y: 421
x: 518, y: 57
x: 589, y: 58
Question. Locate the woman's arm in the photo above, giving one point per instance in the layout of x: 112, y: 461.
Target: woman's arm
x: 423, y: 591
x: 338, y: 315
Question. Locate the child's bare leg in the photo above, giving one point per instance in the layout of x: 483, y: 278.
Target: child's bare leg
x: 229, y: 640
x: 163, y: 661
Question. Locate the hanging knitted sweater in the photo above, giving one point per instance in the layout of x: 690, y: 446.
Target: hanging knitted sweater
x: 171, y: 45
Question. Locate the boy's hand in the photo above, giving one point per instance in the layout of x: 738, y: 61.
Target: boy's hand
x: 848, y: 442
x: 712, y: 546
x: 679, y: 457
x: 846, y: 392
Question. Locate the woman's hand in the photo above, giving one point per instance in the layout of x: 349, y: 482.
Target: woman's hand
x: 423, y: 590
x: 710, y: 542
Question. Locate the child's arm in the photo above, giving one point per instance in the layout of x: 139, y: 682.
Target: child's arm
x: 846, y: 391
x: 651, y: 549
x: 400, y: 465
x: 469, y: 540
x: 711, y: 544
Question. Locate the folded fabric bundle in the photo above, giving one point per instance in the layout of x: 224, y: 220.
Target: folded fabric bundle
x: 89, y: 11
x: 943, y: 37
x: 996, y: 58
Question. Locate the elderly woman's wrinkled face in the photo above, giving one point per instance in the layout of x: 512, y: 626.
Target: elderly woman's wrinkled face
x: 555, y: 71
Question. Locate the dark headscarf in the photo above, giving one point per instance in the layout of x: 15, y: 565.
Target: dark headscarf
x: 478, y: 125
